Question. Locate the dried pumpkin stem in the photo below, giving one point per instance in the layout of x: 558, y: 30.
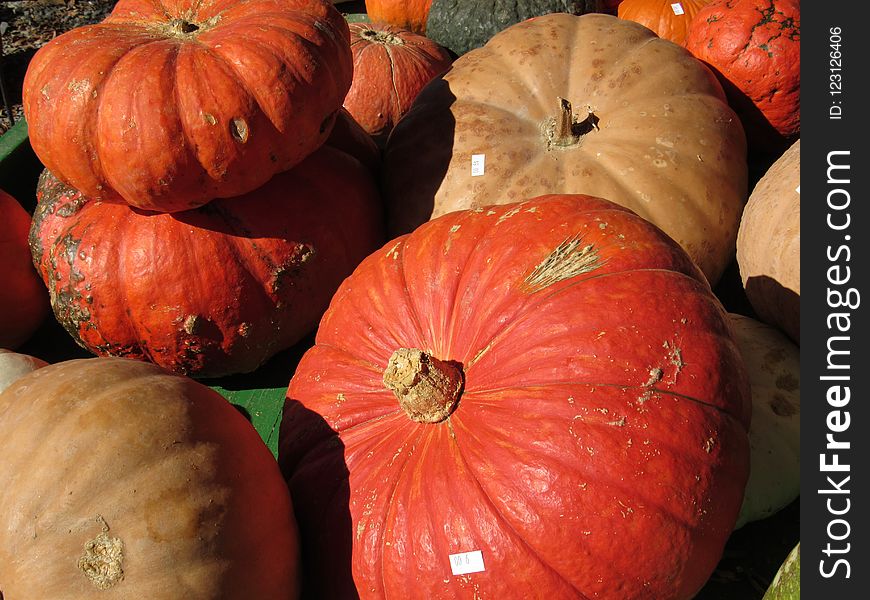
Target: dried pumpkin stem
x: 381, y: 37
x: 428, y: 389
x: 566, y: 131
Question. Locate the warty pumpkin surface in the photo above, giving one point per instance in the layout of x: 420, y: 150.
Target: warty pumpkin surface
x: 550, y: 383
x: 122, y: 481
x: 211, y: 291
x: 670, y: 20
x: 563, y: 104
x: 754, y: 46
x: 168, y: 104
x: 769, y: 245
x: 391, y: 66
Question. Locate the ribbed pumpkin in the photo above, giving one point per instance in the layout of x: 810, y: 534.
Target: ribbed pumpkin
x: 23, y: 301
x: 390, y: 67
x: 211, y: 291
x: 769, y: 245
x: 405, y: 14
x: 550, y: 384
x: 166, y: 105
x: 122, y: 481
x: 594, y: 105
x: 463, y: 25
x: 670, y: 20
x: 773, y: 365
x: 754, y: 46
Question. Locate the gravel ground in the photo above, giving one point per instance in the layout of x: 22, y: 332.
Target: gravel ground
x: 29, y: 25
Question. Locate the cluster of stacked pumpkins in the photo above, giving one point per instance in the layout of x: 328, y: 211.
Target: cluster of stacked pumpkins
x: 505, y: 222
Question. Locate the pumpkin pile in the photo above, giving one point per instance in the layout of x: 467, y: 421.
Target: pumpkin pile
x: 517, y: 230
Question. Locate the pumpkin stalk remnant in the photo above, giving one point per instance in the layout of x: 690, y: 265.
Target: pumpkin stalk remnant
x: 564, y: 131
x: 428, y: 389
x: 381, y: 37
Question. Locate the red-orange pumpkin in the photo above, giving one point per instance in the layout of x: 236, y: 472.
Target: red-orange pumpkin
x: 754, y: 47
x: 569, y: 402
x: 167, y: 105
x: 670, y: 20
x: 406, y: 14
x: 390, y: 67
x: 23, y: 301
x: 214, y: 290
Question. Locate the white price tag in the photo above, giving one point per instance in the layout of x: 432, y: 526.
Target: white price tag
x: 467, y: 562
x: 677, y: 8
x: 478, y: 164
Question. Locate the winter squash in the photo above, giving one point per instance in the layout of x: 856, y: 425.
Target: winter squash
x: 169, y: 105
x: 404, y: 14
x: 23, y: 301
x: 595, y: 105
x: 769, y: 245
x: 541, y: 385
x: 14, y: 365
x: 670, y: 20
x: 773, y: 365
x: 463, y: 25
x: 754, y: 47
x: 786, y: 584
x: 390, y: 68
x: 211, y: 291
x: 133, y: 483
x: 349, y: 137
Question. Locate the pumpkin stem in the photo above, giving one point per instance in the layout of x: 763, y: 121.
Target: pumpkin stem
x: 428, y: 389
x: 381, y: 37
x: 565, y: 131
x: 182, y: 27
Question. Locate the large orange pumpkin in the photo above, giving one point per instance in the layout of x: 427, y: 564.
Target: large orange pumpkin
x: 23, y: 301
x: 167, y: 105
x: 550, y: 386
x: 405, y: 14
x: 391, y: 66
x: 121, y: 481
x: 670, y: 20
x: 593, y: 104
x: 214, y: 290
x: 754, y: 46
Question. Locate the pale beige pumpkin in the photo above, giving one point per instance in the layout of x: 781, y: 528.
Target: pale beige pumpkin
x: 121, y: 481
x: 773, y: 365
x: 650, y: 130
x: 14, y: 365
x: 769, y: 245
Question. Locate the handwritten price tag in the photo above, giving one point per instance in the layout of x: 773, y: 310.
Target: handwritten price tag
x: 467, y: 562
x: 478, y: 164
x: 677, y: 8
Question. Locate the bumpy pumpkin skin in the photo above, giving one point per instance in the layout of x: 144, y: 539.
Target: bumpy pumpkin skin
x: 769, y: 245
x: 603, y: 407
x: 140, y: 109
x: 659, y: 16
x: 158, y: 470
x: 773, y: 366
x: 754, y: 46
x: 463, y: 25
x: 390, y: 68
x: 405, y: 14
x: 23, y: 301
x: 215, y: 290
x: 662, y: 142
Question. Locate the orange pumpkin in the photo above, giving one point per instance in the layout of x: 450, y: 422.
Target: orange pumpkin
x: 670, y: 20
x: 405, y: 14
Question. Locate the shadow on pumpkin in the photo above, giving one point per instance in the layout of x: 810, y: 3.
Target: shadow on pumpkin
x: 311, y: 456
x: 410, y: 196
x: 776, y: 305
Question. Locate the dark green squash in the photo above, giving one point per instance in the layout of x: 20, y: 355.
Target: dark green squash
x: 462, y: 25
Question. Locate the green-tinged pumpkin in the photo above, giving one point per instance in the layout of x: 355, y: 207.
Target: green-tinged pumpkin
x: 391, y: 66
x: 463, y: 25
x: 754, y: 47
x: 769, y: 245
x: 786, y: 585
x: 123, y: 481
x: 14, y: 365
x: 23, y: 301
x: 594, y: 105
x: 167, y: 105
x: 773, y: 364
x: 502, y: 402
x: 211, y: 291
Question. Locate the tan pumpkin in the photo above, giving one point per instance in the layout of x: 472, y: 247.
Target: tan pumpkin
x: 773, y: 365
x: 14, y: 365
x: 769, y: 245
x: 131, y: 483
x: 594, y: 105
